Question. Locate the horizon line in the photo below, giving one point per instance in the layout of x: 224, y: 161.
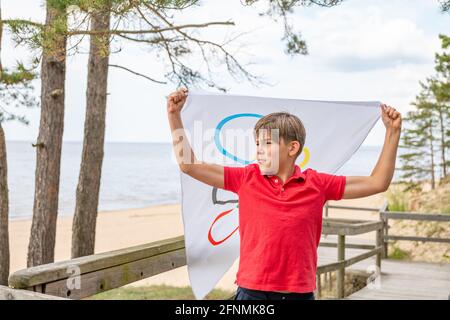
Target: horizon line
x: 148, y: 142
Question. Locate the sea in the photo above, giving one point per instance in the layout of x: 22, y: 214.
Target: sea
x: 134, y: 175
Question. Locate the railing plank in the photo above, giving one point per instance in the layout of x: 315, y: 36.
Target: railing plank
x: 350, y: 228
x: 347, y: 245
x: 362, y: 256
x: 47, y: 273
x: 399, y: 215
x: 353, y: 208
x: 7, y: 293
x: 117, y: 276
x: 329, y: 267
x: 422, y: 239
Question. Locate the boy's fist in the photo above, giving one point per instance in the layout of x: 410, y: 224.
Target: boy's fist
x: 176, y: 100
x: 392, y: 119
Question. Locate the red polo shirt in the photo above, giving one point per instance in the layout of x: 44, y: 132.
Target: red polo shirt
x: 280, y: 226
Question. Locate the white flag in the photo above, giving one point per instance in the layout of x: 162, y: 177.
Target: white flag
x: 220, y: 129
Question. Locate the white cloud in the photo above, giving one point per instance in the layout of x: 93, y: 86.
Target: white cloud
x: 358, y: 39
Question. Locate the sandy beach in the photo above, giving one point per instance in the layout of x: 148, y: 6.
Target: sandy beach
x: 125, y: 228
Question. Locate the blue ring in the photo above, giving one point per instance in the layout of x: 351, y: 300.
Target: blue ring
x: 219, y: 128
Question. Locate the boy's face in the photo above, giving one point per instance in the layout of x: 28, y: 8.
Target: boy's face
x: 268, y: 151
x: 273, y: 152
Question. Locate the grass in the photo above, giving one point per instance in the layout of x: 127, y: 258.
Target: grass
x: 398, y: 254
x: 398, y: 200
x: 158, y: 292
x: 354, y: 281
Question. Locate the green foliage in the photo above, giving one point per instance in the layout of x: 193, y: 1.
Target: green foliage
x: 60, y: 5
x: 398, y: 200
x: 174, y: 3
x: 176, y: 45
x: 426, y: 133
x: 19, y: 75
x: 281, y: 8
x: 16, y: 91
x: 445, y: 5
x: 295, y: 44
x: 398, y: 254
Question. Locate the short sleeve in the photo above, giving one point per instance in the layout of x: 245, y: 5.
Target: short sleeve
x: 233, y: 178
x: 333, y: 186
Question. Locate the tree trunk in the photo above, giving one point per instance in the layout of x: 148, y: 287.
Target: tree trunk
x: 4, y: 237
x: 433, y: 183
x: 443, y: 143
x: 4, y: 200
x: 87, y: 195
x: 1, y: 37
x: 48, y: 147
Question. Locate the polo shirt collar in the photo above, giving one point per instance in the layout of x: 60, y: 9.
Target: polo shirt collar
x: 298, y: 174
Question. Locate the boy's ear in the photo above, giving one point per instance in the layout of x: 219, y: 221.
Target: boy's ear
x: 294, y: 147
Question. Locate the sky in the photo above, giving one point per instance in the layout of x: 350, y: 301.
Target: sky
x: 358, y: 51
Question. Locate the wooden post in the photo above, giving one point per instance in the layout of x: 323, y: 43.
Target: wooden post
x: 330, y: 278
x: 379, y: 243
x: 385, y: 242
x: 319, y: 285
x: 340, y: 279
x: 383, y: 218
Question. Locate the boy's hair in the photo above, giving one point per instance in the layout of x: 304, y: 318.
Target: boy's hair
x: 290, y: 127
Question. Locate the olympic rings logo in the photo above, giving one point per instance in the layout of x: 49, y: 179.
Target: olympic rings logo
x: 217, y: 134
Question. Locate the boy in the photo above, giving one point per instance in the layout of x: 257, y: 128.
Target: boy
x: 280, y: 206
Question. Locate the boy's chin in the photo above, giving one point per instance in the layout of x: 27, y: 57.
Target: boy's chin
x: 267, y: 170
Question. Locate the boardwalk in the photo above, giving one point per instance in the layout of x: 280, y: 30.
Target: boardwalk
x: 400, y: 280
x: 409, y: 281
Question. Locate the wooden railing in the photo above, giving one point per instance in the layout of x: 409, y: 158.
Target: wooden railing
x: 7, y: 293
x: 384, y: 237
x: 386, y: 215
x: 85, y: 276
x: 349, y: 227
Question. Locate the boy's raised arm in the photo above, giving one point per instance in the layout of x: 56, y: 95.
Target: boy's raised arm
x: 381, y: 176
x: 211, y: 174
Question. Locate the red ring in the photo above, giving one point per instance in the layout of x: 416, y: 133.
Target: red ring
x: 210, y: 238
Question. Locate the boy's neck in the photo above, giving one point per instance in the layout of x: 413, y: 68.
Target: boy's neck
x: 286, y: 171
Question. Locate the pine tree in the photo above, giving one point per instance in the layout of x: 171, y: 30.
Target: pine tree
x: 440, y: 88
x: 426, y: 133
x: 15, y: 91
x: 418, y: 161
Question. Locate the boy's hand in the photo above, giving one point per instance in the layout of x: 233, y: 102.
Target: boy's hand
x: 176, y: 100
x: 392, y: 119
